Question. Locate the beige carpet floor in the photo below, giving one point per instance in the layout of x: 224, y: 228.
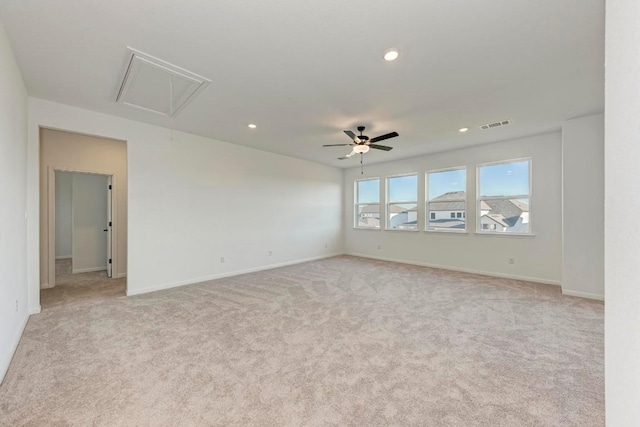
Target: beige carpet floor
x: 343, y: 341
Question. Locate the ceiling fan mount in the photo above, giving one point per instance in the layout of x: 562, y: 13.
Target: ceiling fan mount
x: 361, y: 143
x: 362, y: 137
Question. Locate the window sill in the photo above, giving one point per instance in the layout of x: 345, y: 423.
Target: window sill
x: 409, y: 230
x: 461, y: 232
x: 368, y: 228
x: 480, y: 233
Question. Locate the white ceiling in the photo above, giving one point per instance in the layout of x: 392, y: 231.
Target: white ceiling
x: 305, y: 70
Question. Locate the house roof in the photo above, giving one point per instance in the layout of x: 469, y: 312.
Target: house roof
x: 521, y: 205
x: 508, y: 211
x: 499, y: 218
x: 451, y: 195
x: 447, y: 223
x: 446, y: 206
x: 451, y: 201
x: 376, y: 209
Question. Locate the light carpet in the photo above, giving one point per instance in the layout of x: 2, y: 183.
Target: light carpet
x: 343, y: 341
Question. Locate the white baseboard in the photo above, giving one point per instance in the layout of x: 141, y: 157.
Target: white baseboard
x: 64, y: 257
x: 88, y: 270
x: 35, y: 310
x: 45, y: 286
x: 580, y: 294
x: 463, y: 270
x: 6, y: 358
x: 131, y: 292
x: 120, y: 276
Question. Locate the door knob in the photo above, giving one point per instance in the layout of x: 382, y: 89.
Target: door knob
x: 105, y: 229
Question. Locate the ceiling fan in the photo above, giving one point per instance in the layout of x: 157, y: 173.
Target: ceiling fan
x: 361, y: 143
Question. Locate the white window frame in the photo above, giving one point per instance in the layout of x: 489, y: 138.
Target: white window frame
x: 480, y: 199
x: 388, y: 203
x: 426, y: 202
x: 356, y: 205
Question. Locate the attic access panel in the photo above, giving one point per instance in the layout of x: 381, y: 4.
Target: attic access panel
x: 158, y: 86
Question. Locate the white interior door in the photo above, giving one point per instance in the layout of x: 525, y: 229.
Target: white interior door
x: 109, y: 228
x: 90, y: 223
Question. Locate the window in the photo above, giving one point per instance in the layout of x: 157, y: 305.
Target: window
x: 504, y: 193
x: 402, y: 205
x: 447, y: 200
x: 367, y: 209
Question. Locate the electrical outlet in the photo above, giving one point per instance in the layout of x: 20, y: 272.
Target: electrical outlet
x: 16, y: 306
x: 222, y: 259
x: 270, y: 253
x: 326, y: 246
x: 512, y: 260
x: 379, y: 247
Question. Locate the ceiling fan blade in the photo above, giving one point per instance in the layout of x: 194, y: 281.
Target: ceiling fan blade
x: 343, y: 158
x: 383, y: 137
x: 336, y: 145
x: 353, y: 136
x: 381, y: 147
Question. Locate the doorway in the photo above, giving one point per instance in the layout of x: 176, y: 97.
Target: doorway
x: 83, y: 224
x: 85, y: 168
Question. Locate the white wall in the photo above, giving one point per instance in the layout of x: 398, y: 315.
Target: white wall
x: 537, y: 257
x: 583, y: 207
x: 13, y: 190
x: 64, y: 182
x: 622, y: 201
x: 194, y: 200
x: 89, y: 221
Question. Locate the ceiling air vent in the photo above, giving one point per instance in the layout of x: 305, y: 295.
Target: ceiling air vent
x: 158, y: 86
x: 496, y: 124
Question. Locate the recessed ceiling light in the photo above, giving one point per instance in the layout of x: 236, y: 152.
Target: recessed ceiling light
x: 463, y: 130
x: 391, y: 55
x: 252, y: 126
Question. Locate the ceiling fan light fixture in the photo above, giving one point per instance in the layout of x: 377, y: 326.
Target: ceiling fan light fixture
x: 391, y: 55
x: 361, y: 149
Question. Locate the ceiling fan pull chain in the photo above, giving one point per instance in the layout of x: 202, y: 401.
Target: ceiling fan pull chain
x: 361, y: 166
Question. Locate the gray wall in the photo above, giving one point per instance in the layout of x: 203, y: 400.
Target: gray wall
x: 13, y: 209
x: 64, y: 215
x: 583, y: 207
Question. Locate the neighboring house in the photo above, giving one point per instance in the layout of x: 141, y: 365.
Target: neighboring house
x: 448, y: 206
x: 402, y: 217
x: 369, y: 216
x: 412, y: 215
x: 370, y: 211
x: 504, y: 215
x: 448, y: 211
x: 399, y: 217
x: 484, y: 208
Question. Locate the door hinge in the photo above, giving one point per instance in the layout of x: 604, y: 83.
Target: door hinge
x: 109, y: 223
x: 109, y: 260
x: 109, y: 186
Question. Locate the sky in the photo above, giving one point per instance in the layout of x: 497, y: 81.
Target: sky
x: 446, y: 181
x: 509, y: 179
